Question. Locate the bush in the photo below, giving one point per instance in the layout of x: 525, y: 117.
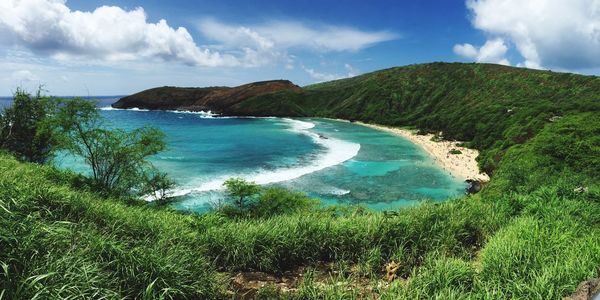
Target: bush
x: 277, y: 201
x: 455, y: 151
x: 24, y: 127
x: 241, y: 192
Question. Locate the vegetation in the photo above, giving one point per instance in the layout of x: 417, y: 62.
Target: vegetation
x: 156, y: 184
x: 248, y: 200
x: 532, y: 233
x: 241, y: 190
x: 24, y: 127
x: 492, y: 107
x: 60, y: 243
x: 117, y: 158
x: 34, y: 128
x: 455, y: 151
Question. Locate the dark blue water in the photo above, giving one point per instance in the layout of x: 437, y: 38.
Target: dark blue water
x: 337, y: 162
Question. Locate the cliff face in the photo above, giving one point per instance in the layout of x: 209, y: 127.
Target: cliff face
x: 216, y: 99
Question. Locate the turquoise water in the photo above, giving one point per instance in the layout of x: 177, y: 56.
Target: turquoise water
x: 337, y: 162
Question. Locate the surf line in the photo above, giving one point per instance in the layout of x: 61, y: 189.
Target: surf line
x: 336, y: 152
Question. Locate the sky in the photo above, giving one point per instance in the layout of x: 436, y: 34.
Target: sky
x: 109, y: 47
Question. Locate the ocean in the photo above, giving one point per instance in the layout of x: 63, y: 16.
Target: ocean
x: 340, y: 163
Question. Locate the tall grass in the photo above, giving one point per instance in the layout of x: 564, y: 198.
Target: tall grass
x: 533, y: 233
x: 280, y: 243
x: 59, y: 243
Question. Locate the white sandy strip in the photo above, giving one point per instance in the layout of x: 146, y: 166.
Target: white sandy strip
x: 462, y: 166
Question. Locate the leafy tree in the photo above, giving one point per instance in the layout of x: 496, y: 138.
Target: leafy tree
x: 240, y: 190
x: 24, y: 127
x: 34, y: 127
x: 157, y: 185
x: 117, y: 158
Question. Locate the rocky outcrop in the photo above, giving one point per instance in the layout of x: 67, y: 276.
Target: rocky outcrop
x: 215, y: 99
x: 474, y: 186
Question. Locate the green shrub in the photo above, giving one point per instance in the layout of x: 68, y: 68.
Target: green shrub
x: 276, y: 201
x: 24, y: 127
x: 455, y: 151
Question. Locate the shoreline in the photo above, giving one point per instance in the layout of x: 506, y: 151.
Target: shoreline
x: 463, y: 165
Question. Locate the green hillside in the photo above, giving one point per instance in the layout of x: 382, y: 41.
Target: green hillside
x: 533, y: 233
x: 492, y: 107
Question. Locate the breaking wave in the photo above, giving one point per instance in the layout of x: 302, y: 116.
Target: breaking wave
x: 336, y: 152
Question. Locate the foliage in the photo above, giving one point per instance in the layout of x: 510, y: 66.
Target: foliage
x: 156, y: 184
x: 24, y: 127
x: 58, y: 243
x: 277, y: 201
x: 455, y: 151
x: 241, y: 190
x: 269, y: 202
x: 531, y: 233
x: 567, y: 150
x: 492, y: 107
x: 117, y: 158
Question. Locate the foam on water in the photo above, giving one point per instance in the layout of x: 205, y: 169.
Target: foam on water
x: 336, y: 152
x: 202, y: 114
x: 127, y: 109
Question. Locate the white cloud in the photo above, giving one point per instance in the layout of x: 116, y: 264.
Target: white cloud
x: 24, y: 76
x: 351, y: 70
x: 493, y: 51
x: 319, y: 76
x: 289, y: 34
x: 49, y: 28
x: 563, y: 34
x: 466, y: 50
x: 107, y: 33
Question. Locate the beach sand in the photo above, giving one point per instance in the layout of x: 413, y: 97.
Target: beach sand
x: 463, y: 166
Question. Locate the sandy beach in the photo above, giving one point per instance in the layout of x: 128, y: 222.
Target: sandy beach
x: 463, y: 166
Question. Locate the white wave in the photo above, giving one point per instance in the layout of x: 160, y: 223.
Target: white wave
x: 202, y: 114
x: 338, y: 192
x: 108, y: 108
x: 337, y: 152
x: 128, y: 109
x: 299, y: 126
x: 208, y: 114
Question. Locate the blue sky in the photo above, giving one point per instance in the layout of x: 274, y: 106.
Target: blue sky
x: 100, y: 47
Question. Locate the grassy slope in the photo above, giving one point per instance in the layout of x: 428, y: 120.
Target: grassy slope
x: 529, y: 235
x: 58, y: 243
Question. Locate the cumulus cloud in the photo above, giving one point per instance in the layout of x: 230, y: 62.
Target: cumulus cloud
x: 562, y: 34
x: 107, y: 33
x: 319, y: 76
x: 110, y: 33
x: 493, y: 51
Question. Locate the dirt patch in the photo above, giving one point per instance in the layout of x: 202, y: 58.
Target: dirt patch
x: 589, y: 289
x: 246, y: 285
x: 252, y: 284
